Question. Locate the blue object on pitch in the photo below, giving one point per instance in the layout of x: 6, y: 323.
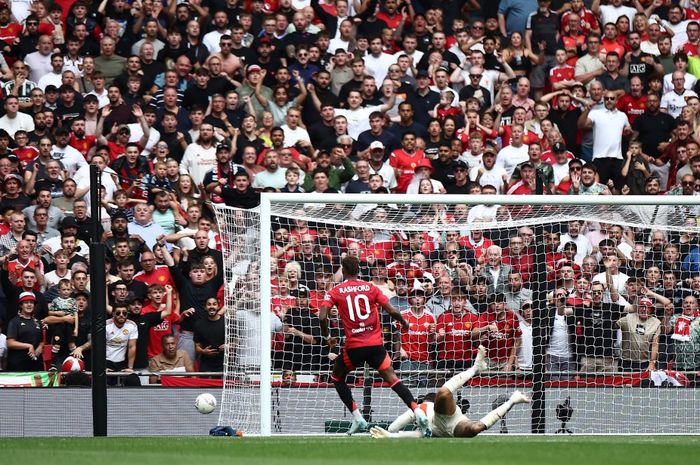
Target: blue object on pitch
x: 224, y: 431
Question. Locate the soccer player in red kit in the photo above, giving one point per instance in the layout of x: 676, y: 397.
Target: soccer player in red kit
x: 357, y: 303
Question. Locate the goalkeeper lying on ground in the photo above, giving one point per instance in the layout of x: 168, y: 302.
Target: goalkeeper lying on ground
x: 446, y: 419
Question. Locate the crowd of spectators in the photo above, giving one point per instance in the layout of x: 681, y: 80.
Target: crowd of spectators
x: 183, y: 104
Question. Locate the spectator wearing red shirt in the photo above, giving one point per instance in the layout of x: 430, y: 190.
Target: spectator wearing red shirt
x: 519, y: 260
x: 477, y: 242
x: 633, y: 103
x: 417, y: 339
x: 691, y: 47
x: 405, y: 160
x: 161, y: 303
x: 402, y: 264
x: 499, y: 330
x: 609, y: 42
x: 456, y: 347
x: 83, y: 142
x: 563, y: 75
x: 587, y: 21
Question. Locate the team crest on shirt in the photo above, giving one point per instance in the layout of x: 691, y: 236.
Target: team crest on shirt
x: 161, y: 279
x: 468, y: 325
x: 413, y: 165
x: 125, y: 332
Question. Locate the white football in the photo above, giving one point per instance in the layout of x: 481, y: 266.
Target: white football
x: 205, y: 403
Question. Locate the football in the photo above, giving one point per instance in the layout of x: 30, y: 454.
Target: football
x: 71, y: 364
x: 205, y: 403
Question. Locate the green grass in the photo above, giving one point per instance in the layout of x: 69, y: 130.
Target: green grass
x: 486, y: 450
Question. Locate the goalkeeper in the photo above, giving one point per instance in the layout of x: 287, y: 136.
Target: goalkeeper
x: 446, y: 419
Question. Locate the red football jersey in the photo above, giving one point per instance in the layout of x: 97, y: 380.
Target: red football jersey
x: 155, y: 333
x: 408, y: 271
x: 500, y: 342
x: 160, y: 275
x: 565, y: 73
x: 632, y: 107
x: 281, y: 305
x: 417, y: 339
x: 357, y: 303
x: 458, y: 343
x: 407, y: 163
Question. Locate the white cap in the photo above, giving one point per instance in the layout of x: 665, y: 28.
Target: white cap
x: 377, y: 144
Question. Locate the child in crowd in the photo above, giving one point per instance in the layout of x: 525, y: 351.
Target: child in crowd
x: 63, y: 305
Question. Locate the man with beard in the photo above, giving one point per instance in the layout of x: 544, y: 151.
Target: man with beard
x: 221, y: 174
x: 71, y: 159
x: 79, y: 140
x: 201, y: 250
x: 194, y: 289
x: 210, y: 337
x: 120, y: 230
x: 200, y: 156
x: 322, y: 87
x: 43, y: 199
x: 653, y: 127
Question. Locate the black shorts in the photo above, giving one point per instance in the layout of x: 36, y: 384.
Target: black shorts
x: 374, y: 356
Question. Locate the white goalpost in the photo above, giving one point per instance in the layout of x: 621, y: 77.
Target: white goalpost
x: 469, y: 270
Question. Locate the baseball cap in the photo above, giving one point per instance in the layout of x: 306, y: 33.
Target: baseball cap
x: 119, y: 214
x: 460, y: 164
x: 490, y: 151
x: 422, y: 73
x: 253, y: 69
x: 223, y: 146
x: 645, y: 302
x: 424, y: 163
x: 527, y: 164
x: 27, y: 297
x: 69, y: 222
x: 50, y: 88
x: 17, y: 177
x: 340, y: 51
x: 559, y: 147
x: 377, y: 144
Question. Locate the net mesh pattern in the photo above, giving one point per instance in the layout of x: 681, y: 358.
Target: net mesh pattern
x: 437, y: 264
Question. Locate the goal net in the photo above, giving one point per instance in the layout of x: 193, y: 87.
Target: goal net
x: 589, y: 304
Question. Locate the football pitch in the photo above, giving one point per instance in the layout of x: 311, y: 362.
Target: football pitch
x: 360, y: 450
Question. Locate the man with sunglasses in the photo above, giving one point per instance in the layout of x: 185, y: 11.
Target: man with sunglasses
x: 122, y: 335
x: 609, y: 127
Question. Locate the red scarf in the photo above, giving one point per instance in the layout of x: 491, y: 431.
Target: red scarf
x: 681, y: 330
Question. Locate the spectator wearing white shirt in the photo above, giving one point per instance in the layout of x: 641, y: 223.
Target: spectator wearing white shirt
x: 211, y: 39
x: 39, y: 62
x: 293, y: 132
x: 583, y: 244
x: 200, y: 156
x: 273, y: 176
x: 512, y: 155
x: 376, y: 61
x: 489, y: 173
x: 673, y: 102
x: 355, y: 114
x: 609, y: 126
x: 13, y: 120
x: 54, y: 77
